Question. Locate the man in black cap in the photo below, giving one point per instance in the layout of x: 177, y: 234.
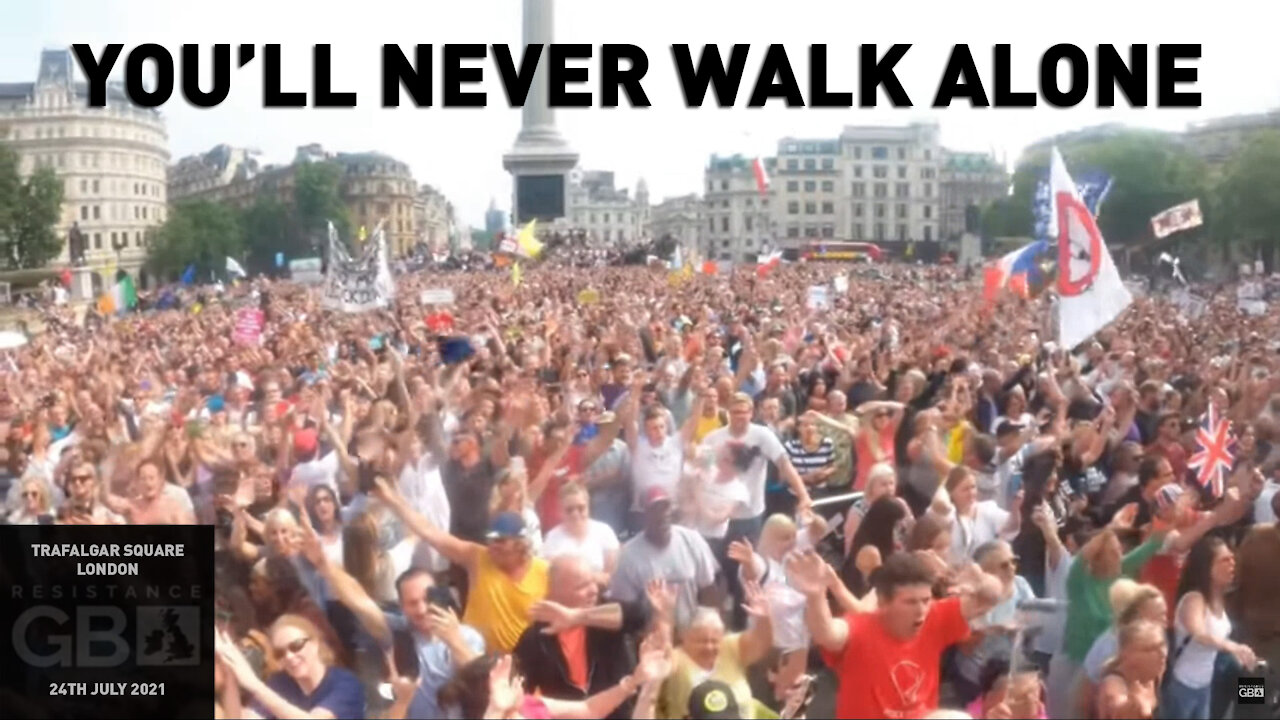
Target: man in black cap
x: 713, y: 700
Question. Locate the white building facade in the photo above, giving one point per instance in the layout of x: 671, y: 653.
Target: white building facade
x: 739, y: 224
x: 112, y: 161
x: 890, y: 184
x: 609, y: 215
x: 681, y: 218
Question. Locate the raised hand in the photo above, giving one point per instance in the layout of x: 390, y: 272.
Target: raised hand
x: 806, y: 572
x: 1124, y: 517
x: 506, y: 691
x: 557, y: 617
x: 740, y: 551
x: 662, y: 597
x: 756, y: 603
x: 655, y: 661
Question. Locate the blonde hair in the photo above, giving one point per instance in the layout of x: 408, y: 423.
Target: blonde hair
x: 42, y: 490
x: 308, y: 628
x: 1127, y: 598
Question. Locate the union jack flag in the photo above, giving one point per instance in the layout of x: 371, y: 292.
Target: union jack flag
x: 1214, y: 453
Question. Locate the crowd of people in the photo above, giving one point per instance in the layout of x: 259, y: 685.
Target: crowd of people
x: 534, y: 505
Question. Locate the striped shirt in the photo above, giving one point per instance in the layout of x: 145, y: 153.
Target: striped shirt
x: 807, y: 461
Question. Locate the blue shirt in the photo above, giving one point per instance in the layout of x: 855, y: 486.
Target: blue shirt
x: 435, y: 666
x: 339, y: 692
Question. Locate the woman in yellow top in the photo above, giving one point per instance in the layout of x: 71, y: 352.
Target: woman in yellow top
x: 505, y: 577
x: 712, y: 417
x: 705, y: 653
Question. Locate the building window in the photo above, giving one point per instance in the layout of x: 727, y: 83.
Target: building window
x: 879, y: 231
x: 724, y: 204
x: 828, y: 186
x: 97, y: 212
x: 810, y: 186
x: 828, y: 231
x: 928, y: 189
x: 793, y: 164
x: 902, y: 172
x: 724, y: 223
x: 857, y: 152
x: 793, y: 208
x: 857, y: 232
x: 879, y: 171
x: 712, y: 224
x: 606, y: 234
x: 810, y: 164
x: 880, y: 152
x: 84, y: 187
x: 881, y: 190
x: 97, y: 241
x: 902, y: 210
x: 84, y: 212
x: 724, y: 244
x: 928, y: 154
x: 137, y: 239
x: 859, y: 189
x: 828, y: 208
x: 902, y: 232
x: 857, y: 209
x: 747, y: 222
x: 928, y: 212
x: 793, y: 231
x: 828, y: 163
x: 926, y: 173
x: 113, y: 240
x: 902, y: 153
x: 811, y: 231
x: 928, y: 233
x: 606, y: 218
x: 792, y: 186
x: 810, y: 208
x: 724, y: 184
x: 879, y: 210
x: 902, y: 190
x: 857, y: 171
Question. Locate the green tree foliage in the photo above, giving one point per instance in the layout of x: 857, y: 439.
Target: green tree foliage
x: 199, y: 232
x: 1151, y: 173
x: 317, y: 200
x: 29, y: 210
x: 269, y: 228
x: 1246, y: 203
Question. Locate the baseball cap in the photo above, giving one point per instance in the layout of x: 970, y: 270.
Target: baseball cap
x: 1008, y: 427
x: 305, y: 441
x: 655, y: 495
x: 1168, y: 495
x: 713, y: 700
x: 505, y: 526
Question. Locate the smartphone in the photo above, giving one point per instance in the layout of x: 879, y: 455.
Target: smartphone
x: 404, y: 649
x: 442, y: 597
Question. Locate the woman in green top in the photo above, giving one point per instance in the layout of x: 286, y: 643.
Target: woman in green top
x: 1098, y: 564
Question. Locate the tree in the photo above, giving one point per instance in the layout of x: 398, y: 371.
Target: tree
x: 270, y: 228
x: 1246, y: 202
x: 317, y: 201
x: 198, y: 232
x: 29, y: 210
x: 1150, y: 173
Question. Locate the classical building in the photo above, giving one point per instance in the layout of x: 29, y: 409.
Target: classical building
x: 432, y: 217
x: 807, y: 187
x: 682, y: 219
x: 375, y: 187
x: 112, y: 161
x: 968, y: 179
x: 220, y: 166
x: 608, y: 214
x: 379, y: 188
x: 1215, y: 141
x: 739, y: 225
x: 891, y: 175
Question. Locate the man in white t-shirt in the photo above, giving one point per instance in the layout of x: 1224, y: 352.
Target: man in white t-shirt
x: 758, y: 446
x: 312, y: 469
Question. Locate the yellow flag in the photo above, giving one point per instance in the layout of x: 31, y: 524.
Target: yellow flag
x: 528, y: 242
x: 515, y: 274
x: 362, y: 235
x: 195, y: 309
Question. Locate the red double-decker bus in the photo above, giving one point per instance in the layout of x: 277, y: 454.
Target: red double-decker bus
x: 834, y: 251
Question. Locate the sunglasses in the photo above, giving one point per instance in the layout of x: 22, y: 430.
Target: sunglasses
x: 30, y: 494
x: 294, y: 647
x: 575, y: 509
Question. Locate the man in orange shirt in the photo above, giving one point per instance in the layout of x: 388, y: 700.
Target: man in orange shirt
x: 576, y: 646
x: 888, y: 661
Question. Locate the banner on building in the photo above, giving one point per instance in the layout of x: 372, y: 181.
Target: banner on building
x: 308, y: 271
x: 1177, y: 218
x: 362, y: 283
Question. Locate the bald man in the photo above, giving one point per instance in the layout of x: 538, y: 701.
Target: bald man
x: 577, y: 646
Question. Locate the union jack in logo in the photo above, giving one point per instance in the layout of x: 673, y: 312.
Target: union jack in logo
x: 1214, y: 452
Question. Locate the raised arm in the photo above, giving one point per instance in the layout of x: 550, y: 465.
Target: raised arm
x: 807, y: 574
x: 455, y: 549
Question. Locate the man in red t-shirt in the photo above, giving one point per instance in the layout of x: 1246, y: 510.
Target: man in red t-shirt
x: 888, y: 661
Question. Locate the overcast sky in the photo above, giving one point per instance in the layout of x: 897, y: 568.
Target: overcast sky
x: 460, y: 150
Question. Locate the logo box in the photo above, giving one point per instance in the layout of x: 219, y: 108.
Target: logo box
x: 1251, y: 691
